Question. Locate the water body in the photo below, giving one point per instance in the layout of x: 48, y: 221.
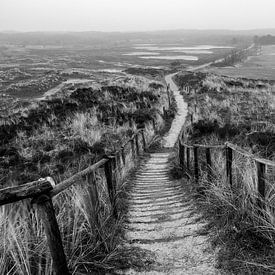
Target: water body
x: 172, y: 57
x: 178, y: 48
x: 174, y: 51
x: 140, y: 53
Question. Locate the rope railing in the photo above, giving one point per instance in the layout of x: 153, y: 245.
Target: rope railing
x: 185, y: 150
x: 44, y: 190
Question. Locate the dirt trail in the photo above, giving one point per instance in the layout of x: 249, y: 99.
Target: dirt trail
x: 162, y: 218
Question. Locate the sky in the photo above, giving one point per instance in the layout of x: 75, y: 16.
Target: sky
x: 135, y: 15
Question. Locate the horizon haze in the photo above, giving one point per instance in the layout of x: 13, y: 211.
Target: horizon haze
x: 135, y: 15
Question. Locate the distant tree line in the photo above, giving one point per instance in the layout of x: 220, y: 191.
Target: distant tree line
x: 264, y: 40
x: 236, y: 56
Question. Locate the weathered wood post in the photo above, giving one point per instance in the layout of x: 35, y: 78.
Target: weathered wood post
x: 188, y: 158
x: 192, y: 119
x: 261, y: 170
x: 91, y: 179
x: 181, y: 154
x: 46, y: 212
x: 131, y: 122
x: 109, y: 168
x: 154, y: 124
x: 229, y: 158
x: 123, y: 155
x: 118, y: 165
x: 164, y: 112
x: 168, y: 95
x: 143, y: 140
x: 133, y: 147
x: 137, y: 144
x: 196, y: 163
x: 209, y: 163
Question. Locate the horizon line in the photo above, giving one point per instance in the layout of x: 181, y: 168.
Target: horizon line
x: 134, y: 31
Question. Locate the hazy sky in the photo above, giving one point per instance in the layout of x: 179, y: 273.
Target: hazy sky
x: 135, y: 15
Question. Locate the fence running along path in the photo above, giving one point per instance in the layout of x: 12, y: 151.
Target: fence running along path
x: 192, y: 160
x: 44, y: 190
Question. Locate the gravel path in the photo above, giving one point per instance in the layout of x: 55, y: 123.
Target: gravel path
x: 163, y: 220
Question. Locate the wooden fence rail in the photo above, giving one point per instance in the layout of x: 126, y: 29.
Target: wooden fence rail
x: 43, y: 191
x: 228, y: 148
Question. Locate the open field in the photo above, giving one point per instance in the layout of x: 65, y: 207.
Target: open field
x: 261, y: 66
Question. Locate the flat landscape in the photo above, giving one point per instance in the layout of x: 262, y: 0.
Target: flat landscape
x: 33, y: 64
x: 259, y: 66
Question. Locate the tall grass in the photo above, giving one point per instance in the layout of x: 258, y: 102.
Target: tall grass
x: 61, y: 142
x: 241, y: 230
x: 239, y: 111
x: 90, y: 234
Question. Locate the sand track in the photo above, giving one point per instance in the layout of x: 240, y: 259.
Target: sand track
x: 162, y: 218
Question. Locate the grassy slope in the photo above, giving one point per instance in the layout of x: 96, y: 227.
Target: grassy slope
x: 240, y: 111
x: 57, y: 138
x: 236, y: 110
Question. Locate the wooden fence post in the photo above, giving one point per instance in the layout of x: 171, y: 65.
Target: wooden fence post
x: 209, y: 164
x: 92, y: 188
x: 133, y: 147
x: 46, y: 212
x: 229, y: 159
x: 181, y: 154
x: 137, y: 145
x: 123, y: 155
x: 261, y: 170
x: 154, y: 124
x: 168, y: 96
x: 143, y: 140
x: 188, y: 158
x: 131, y: 122
x: 196, y: 163
x: 192, y: 119
x: 164, y: 112
x: 111, y: 183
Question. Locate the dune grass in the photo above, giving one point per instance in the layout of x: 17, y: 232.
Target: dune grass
x: 242, y: 233
x: 239, y: 111
x: 59, y: 137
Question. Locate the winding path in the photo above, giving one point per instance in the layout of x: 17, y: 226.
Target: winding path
x: 163, y: 221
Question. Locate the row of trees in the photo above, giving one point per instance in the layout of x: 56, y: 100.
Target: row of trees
x: 264, y: 40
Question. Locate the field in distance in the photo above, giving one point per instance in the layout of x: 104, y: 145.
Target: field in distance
x: 33, y: 63
x: 260, y: 66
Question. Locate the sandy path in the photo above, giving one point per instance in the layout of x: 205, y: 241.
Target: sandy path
x: 162, y: 217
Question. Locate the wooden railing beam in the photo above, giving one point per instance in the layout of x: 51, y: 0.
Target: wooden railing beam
x: 29, y: 190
